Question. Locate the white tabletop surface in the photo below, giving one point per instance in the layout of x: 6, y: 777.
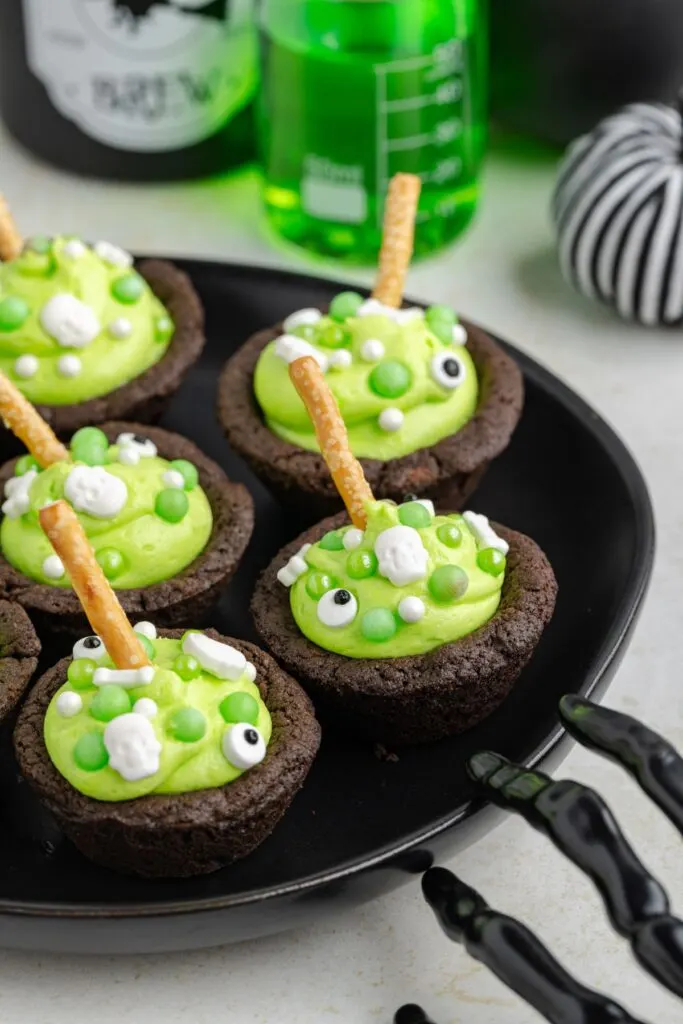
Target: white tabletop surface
x: 357, y: 969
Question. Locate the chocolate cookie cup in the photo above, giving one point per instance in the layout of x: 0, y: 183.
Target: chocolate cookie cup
x: 179, y: 835
x: 183, y: 598
x: 421, y: 698
x: 447, y: 473
x: 19, y: 651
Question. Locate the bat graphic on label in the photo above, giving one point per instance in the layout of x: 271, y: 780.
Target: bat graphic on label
x: 134, y: 11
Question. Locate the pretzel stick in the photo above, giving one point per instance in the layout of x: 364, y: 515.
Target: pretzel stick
x: 26, y: 423
x: 398, y: 238
x: 346, y: 470
x: 11, y: 242
x: 100, y: 603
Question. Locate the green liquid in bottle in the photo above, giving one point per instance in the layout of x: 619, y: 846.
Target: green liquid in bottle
x: 353, y: 92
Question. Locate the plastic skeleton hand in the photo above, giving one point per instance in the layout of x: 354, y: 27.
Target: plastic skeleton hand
x: 579, y: 823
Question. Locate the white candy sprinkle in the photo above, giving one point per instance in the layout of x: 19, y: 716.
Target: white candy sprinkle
x: 340, y: 360
x: 145, y: 448
x: 250, y: 672
x: 390, y: 420
x: 353, y: 539
x: 68, y: 704
x: 128, y: 455
x: 74, y: 249
x: 373, y: 307
x: 372, y: 350
x: 17, y: 490
x: 302, y: 317
x: 484, y: 534
x: 93, y: 490
x: 26, y: 366
x: 69, y: 321
x: 147, y: 629
x: 113, y: 255
x: 289, y: 348
x: 69, y: 366
x: 459, y: 334
x: 219, y: 659
x: 401, y: 555
x: 128, y: 678
x: 53, y: 567
x: 132, y: 746
x: 411, y: 609
x: 295, y: 567
x: 146, y: 707
x: 429, y: 505
x: 120, y: 328
x: 172, y: 478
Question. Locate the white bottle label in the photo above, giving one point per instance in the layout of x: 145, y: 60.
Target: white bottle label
x: 144, y: 75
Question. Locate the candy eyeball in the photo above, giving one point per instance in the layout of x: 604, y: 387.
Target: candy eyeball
x: 337, y: 608
x: 136, y: 445
x: 89, y: 647
x: 243, y: 746
x: 448, y: 370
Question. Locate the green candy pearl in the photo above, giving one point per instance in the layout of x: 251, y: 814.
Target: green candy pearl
x: 90, y: 445
x: 239, y: 707
x: 492, y: 561
x: 109, y: 703
x: 188, y: 472
x: 450, y: 535
x: 414, y: 514
x: 361, y: 564
x: 90, y: 753
x: 333, y: 336
x: 318, y: 583
x: 127, y: 289
x: 448, y: 583
x: 13, y: 312
x: 378, y: 625
x: 390, y: 379
x: 171, y: 504
x: 187, y: 667
x: 80, y: 673
x: 441, y: 320
x: 305, y: 331
x: 163, y: 328
x: 24, y: 464
x: 187, y: 725
x: 110, y: 561
x: 332, y: 541
x: 150, y: 649
x: 345, y: 305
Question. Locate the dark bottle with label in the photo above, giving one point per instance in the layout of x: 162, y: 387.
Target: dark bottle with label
x: 130, y: 89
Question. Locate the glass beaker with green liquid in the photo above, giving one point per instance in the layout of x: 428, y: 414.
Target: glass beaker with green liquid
x: 354, y: 91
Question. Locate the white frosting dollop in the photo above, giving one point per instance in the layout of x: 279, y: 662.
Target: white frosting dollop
x: 172, y: 478
x: 219, y: 659
x: 53, y: 567
x: 120, y: 328
x: 146, y: 707
x: 128, y: 678
x: 113, y: 254
x: 411, y: 609
x: 290, y: 348
x: 301, y: 318
x: 26, y: 366
x: 401, y: 555
x: 390, y: 420
x: 132, y: 746
x: 69, y: 704
x: 69, y: 366
x: 353, y: 539
x: 147, y: 629
x: 93, y: 490
x: 484, y: 534
x: 295, y: 567
x: 69, y: 321
x: 17, y: 494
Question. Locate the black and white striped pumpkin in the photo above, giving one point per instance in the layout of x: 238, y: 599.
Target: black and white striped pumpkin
x: 618, y: 210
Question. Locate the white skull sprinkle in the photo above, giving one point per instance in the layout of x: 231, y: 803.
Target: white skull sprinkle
x: 132, y: 746
x: 113, y: 255
x: 17, y: 491
x: 69, y: 321
x: 484, y: 534
x: 401, y: 555
x: 93, y: 490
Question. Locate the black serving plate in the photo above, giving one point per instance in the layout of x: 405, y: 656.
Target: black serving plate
x: 363, y: 823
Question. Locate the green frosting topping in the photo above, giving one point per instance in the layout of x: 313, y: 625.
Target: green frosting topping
x: 411, y: 582
x: 77, y: 322
x: 146, y: 518
x: 114, y: 737
x: 403, y: 379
